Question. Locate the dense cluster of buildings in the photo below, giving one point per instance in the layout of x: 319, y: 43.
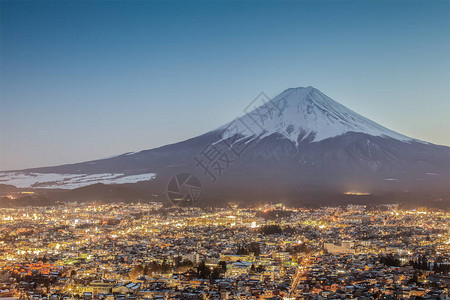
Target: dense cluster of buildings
x: 145, y: 251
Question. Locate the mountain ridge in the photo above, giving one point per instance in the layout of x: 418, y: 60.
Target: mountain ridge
x: 297, y: 140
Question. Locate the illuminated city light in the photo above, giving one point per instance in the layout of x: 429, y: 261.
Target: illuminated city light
x: 357, y: 193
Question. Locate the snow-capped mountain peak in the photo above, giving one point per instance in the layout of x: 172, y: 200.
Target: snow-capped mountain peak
x: 305, y: 114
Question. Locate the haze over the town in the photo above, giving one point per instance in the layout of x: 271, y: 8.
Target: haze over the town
x: 114, y: 77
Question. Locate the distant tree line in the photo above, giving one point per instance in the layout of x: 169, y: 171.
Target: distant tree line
x: 421, y: 263
x: 211, y: 273
x: 250, y: 248
x: 155, y: 267
x: 257, y: 269
x: 271, y: 229
x: 390, y: 260
x: 203, y: 271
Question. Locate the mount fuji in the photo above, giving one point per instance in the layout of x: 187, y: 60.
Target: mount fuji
x: 300, y: 147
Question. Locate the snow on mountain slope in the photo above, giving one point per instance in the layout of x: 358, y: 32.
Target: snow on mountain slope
x: 305, y: 114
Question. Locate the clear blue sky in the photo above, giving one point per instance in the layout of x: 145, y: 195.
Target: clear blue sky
x: 86, y: 80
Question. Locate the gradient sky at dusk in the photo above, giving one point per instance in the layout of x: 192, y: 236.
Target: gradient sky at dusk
x: 86, y: 80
